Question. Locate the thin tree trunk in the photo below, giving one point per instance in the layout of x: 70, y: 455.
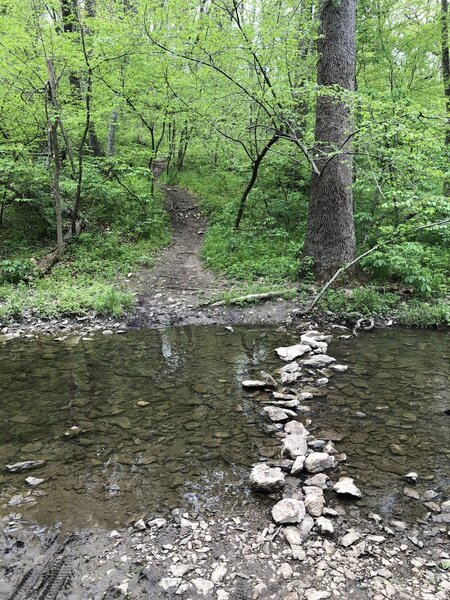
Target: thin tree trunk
x: 53, y: 135
x: 112, y: 128
x: 251, y: 183
x: 446, y: 80
x: 330, y: 237
x: 87, y: 124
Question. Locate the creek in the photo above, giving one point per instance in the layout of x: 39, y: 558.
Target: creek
x: 161, y: 420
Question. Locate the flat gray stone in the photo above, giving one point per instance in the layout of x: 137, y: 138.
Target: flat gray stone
x: 290, y: 353
x: 316, y: 462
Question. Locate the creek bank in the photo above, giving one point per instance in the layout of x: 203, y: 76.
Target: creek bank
x: 219, y: 557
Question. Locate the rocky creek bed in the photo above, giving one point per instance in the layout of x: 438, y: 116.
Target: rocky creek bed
x: 147, y: 442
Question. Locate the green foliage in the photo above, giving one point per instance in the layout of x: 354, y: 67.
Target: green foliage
x: 424, y: 314
x: 358, y: 302
x: 13, y: 271
x: 423, y: 267
x: 55, y: 297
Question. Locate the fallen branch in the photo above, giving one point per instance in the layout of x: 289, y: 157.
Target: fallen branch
x: 251, y: 297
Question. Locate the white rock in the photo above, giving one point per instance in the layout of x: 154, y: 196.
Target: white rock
x: 319, y: 360
x: 297, y: 467
x: 313, y: 594
x: 203, y: 587
x: 292, y: 367
x: 288, y: 510
x: 139, y: 525
x: 316, y: 462
x: 305, y: 527
x: 222, y: 595
x: 325, y: 525
x: 412, y: 477
x: 345, y: 485
x: 180, y: 570
x: 123, y: 587
x: 168, y: 583
x: 278, y: 415
x: 254, y: 383
x: 270, y: 381
x: 266, y: 479
x: 290, y: 353
x: 314, y: 501
x: 285, y: 570
x: 115, y: 534
x: 25, y: 465
x: 339, y: 368
x: 292, y: 535
x: 350, y: 538
x: 34, y: 481
x: 158, y: 523
x: 319, y: 480
x: 288, y: 378
x: 219, y: 573
x: 445, y: 507
x: 294, y: 445
x: 296, y: 427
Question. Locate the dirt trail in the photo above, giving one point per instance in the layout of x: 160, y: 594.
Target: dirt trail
x: 176, y: 289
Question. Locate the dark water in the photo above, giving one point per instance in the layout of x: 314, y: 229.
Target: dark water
x: 192, y: 444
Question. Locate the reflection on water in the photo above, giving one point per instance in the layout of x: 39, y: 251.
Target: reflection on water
x: 165, y: 423
x: 161, y: 414
x: 401, y: 381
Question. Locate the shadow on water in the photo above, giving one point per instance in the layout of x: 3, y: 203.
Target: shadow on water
x: 165, y: 422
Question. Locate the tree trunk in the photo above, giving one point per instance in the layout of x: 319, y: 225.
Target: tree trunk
x: 53, y: 135
x: 446, y: 80
x: 330, y: 237
x: 112, y: 127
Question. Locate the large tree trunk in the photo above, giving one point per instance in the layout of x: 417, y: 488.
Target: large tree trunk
x: 446, y: 80
x: 330, y: 237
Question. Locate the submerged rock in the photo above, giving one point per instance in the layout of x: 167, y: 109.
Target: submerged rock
x: 288, y: 510
x: 266, y: 479
x: 25, y: 465
x: 345, y: 485
x: 290, y: 353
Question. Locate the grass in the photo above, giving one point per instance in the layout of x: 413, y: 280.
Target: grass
x: 367, y: 301
x: 84, y: 282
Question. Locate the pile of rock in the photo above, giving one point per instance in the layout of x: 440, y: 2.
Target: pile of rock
x: 301, y: 472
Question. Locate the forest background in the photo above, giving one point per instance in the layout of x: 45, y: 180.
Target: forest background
x: 223, y: 94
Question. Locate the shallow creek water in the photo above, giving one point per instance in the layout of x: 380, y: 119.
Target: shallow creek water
x: 165, y: 422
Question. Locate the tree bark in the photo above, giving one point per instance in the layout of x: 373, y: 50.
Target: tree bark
x: 446, y: 81
x: 330, y: 237
x: 53, y: 135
